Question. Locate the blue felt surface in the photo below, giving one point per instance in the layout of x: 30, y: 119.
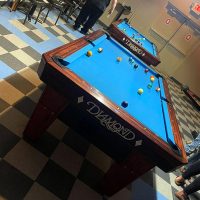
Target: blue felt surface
x: 130, y: 31
x: 119, y: 82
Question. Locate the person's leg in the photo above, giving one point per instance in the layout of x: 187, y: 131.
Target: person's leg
x: 192, y: 170
x: 189, y: 189
x: 93, y: 17
x: 193, y: 187
x: 195, y: 157
x: 83, y: 15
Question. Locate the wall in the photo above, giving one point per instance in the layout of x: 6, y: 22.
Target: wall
x: 189, y: 71
x: 179, y: 58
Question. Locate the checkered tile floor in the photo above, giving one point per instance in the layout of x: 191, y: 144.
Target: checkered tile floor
x: 62, y: 164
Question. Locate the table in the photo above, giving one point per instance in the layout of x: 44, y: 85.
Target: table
x: 137, y: 43
x: 92, y: 89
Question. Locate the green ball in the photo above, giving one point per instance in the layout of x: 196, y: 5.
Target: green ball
x: 149, y: 85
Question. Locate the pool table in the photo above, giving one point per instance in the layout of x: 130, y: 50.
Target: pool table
x: 134, y: 41
x: 96, y: 94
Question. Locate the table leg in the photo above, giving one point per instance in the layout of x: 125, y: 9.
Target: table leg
x: 49, y: 106
x: 122, y: 174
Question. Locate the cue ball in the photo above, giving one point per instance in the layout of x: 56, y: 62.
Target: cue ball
x: 124, y: 104
x: 140, y: 91
x: 89, y: 53
x: 157, y: 89
x: 131, y: 60
x: 100, y: 50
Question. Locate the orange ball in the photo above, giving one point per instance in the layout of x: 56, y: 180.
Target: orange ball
x: 152, y: 79
x: 119, y: 59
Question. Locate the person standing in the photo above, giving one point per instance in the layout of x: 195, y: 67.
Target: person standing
x: 91, y: 12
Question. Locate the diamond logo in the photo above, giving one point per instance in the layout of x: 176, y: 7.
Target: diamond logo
x: 138, y: 143
x: 80, y: 99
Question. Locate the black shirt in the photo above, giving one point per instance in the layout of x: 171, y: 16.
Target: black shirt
x: 101, y: 4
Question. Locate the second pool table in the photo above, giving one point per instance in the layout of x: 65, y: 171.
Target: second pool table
x: 134, y: 41
x: 97, y: 95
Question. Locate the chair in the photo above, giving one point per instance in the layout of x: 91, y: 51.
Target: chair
x: 61, y: 6
x: 10, y: 4
x: 77, y: 5
x: 28, y: 7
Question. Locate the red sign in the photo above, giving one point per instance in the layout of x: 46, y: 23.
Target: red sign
x: 196, y: 8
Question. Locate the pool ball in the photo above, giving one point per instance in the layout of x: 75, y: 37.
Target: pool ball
x: 100, y: 50
x: 124, y: 30
x: 89, y: 53
x: 146, y: 70
x: 152, y: 79
x: 131, y: 60
x: 157, y: 89
x: 149, y: 85
x: 119, y: 59
x: 140, y: 91
x: 136, y: 66
x: 124, y: 104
